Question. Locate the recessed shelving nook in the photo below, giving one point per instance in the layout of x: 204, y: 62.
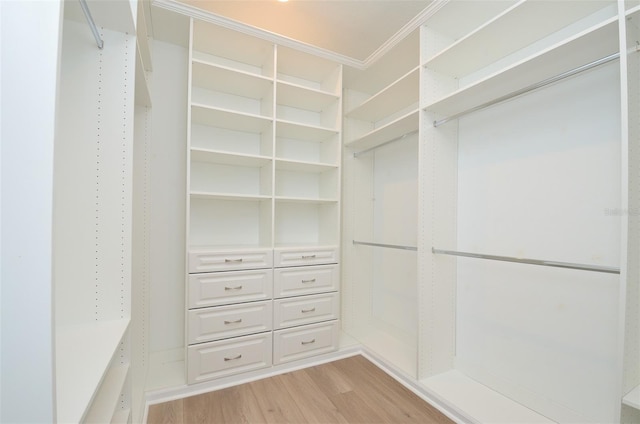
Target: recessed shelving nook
x: 263, y: 185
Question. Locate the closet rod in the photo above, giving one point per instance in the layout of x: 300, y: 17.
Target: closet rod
x: 532, y: 87
x: 356, y: 154
x: 92, y: 25
x: 388, y: 246
x: 569, y: 265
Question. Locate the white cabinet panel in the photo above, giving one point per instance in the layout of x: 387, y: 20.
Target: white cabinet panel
x: 305, y: 256
x: 227, y: 357
x: 298, y: 343
x: 305, y: 310
x: 222, y: 288
x: 222, y: 322
x: 305, y: 280
x: 203, y: 260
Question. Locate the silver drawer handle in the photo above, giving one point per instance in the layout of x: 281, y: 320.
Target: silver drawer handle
x: 313, y: 280
x: 234, y: 358
x: 308, y: 257
x: 304, y: 311
x: 233, y: 288
x: 309, y: 342
x: 227, y: 261
x: 238, y: 321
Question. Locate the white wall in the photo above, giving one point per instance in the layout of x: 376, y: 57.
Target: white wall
x: 168, y: 198
x: 30, y: 34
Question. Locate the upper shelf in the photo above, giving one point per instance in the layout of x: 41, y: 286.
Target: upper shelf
x: 525, y: 23
x: 398, y: 128
x: 221, y: 118
x: 298, y: 131
x: 302, y: 97
x: 590, y: 45
x: 228, y: 80
x: 400, y: 94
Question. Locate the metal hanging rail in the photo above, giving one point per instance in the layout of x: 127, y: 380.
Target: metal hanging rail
x: 569, y: 265
x: 532, y: 87
x: 92, y: 24
x: 403, y: 136
x: 387, y: 246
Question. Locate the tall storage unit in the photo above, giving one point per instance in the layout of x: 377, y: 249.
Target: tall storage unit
x: 263, y: 204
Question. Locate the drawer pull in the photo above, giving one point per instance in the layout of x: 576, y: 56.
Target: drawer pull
x: 233, y: 359
x: 313, y: 280
x: 308, y: 256
x: 309, y: 342
x: 304, y: 311
x: 238, y: 321
x: 229, y: 261
x: 233, y: 288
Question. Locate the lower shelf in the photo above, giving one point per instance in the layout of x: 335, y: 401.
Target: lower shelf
x: 477, y: 401
x: 632, y: 398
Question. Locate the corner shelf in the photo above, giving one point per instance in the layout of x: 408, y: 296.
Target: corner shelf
x: 83, y: 354
x: 632, y: 398
x: 394, y: 129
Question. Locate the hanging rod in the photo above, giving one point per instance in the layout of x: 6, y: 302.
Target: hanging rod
x: 388, y: 246
x: 569, y: 265
x: 531, y: 87
x: 92, y: 25
x: 356, y: 154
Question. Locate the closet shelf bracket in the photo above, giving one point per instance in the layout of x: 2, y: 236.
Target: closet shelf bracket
x: 556, y: 264
x: 387, y: 246
x: 92, y: 24
x: 531, y: 87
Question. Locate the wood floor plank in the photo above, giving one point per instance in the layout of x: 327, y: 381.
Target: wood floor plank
x: 347, y: 391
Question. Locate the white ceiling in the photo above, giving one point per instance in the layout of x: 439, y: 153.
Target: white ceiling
x: 353, y: 29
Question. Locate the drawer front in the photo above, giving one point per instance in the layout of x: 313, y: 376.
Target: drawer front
x: 303, y: 342
x: 227, y: 357
x: 223, y: 288
x: 305, y: 256
x: 210, y: 260
x: 305, y: 310
x: 305, y: 280
x: 222, y: 322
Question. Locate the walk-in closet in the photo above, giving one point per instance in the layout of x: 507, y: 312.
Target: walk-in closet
x: 202, y: 194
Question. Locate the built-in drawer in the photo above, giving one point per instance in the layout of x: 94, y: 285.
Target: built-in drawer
x: 301, y: 256
x: 223, y: 322
x: 298, y: 281
x: 223, y: 288
x: 211, y: 360
x: 205, y: 260
x: 305, y: 310
x: 303, y: 342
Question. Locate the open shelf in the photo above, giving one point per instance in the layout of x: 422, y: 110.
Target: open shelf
x: 394, y: 129
x: 228, y: 158
x: 525, y: 22
x: 83, y: 354
x: 302, y: 166
x: 632, y: 398
x: 226, y: 196
x: 242, y: 176
x: 306, y: 144
x: 104, y: 407
x: 304, y: 106
x: 223, y: 79
x: 224, y: 118
x: 306, y: 181
x: 586, y: 47
x: 400, y: 94
x: 309, y: 71
x: 305, y: 222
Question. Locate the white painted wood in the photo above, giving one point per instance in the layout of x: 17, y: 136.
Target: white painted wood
x: 298, y: 281
x: 83, y: 355
x: 213, y: 289
x: 300, y: 256
x: 306, y: 144
x: 310, y: 71
x: 296, y: 180
x: 224, y: 158
x: 233, y: 120
x: 103, y: 409
x: 306, y: 222
x: 233, y: 179
x: 302, y: 342
x: 208, y: 260
x: 305, y: 310
x: 227, y: 357
x: 142, y: 96
x: 222, y: 322
x: 389, y: 131
x: 632, y: 398
x: 122, y: 416
x: 226, y: 80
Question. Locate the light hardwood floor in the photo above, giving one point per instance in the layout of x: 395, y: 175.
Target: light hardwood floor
x: 349, y: 391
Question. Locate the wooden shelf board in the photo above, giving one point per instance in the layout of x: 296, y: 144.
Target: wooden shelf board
x: 104, y: 407
x: 632, y: 398
x: 478, y: 401
x: 308, y: 127
x: 582, y: 49
x: 300, y: 97
x: 394, y: 129
x: 222, y: 118
x: 287, y: 199
x: 301, y: 166
x: 231, y: 81
x: 402, y: 93
x: 525, y: 22
x: 83, y: 355
x: 228, y: 158
x: 228, y: 196
x: 298, y: 131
